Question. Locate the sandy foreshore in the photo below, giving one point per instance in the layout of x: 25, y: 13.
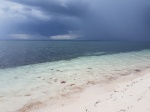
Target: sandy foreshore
x: 86, y: 84
x: 129, y: 93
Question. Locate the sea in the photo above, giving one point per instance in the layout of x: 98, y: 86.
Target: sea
x: 36, y: 70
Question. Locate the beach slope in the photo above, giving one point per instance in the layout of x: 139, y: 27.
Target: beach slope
x: 118, y: 96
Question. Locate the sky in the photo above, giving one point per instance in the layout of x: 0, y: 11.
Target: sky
x: 75, y: 19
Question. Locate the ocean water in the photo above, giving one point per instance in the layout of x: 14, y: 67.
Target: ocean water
x: 34, y: 70
x: 19, y: 53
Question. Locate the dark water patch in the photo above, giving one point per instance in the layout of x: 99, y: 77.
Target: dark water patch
x: 63, y: 82
x: 55, y: 80
x: 137, y: 70
x: 39, y: 77
x: 15, y: 77
x: 72, y: 84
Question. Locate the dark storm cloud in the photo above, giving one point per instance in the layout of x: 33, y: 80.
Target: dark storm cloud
x: 98, y: 19
x: 69, y: 8
x: 52, y: 27
x: 46, y: 18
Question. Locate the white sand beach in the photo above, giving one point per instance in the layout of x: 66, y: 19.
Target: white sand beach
x: 129, y: 93
x: 125, y: 94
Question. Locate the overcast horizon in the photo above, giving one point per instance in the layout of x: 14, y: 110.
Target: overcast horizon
x: 75, y: 20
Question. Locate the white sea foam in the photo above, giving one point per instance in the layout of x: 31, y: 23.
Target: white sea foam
x: 44, y: 80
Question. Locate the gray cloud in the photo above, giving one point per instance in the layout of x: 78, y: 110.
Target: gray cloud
x: 98, y: 19
x: 55, y: 7
x: 124, y: 20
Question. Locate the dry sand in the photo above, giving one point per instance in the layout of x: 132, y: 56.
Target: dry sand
x: 125, y: 94
x: 129, y: 93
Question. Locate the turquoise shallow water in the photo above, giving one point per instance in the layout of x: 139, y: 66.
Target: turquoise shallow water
x: 76, y: 71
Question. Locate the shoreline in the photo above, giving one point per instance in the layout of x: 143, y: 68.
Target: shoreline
x: 48, y: 86
x: 80, y: 98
